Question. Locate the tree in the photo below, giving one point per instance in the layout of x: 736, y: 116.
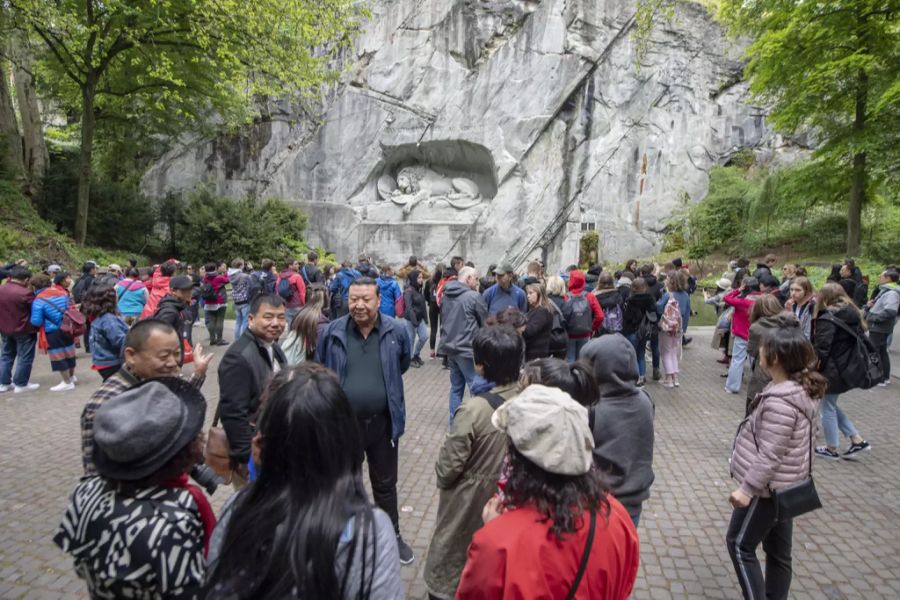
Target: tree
x: 168, y: 65
x: 832, y: 68
x: 10, y: 142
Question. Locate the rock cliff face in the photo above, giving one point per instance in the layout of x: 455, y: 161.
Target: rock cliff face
x: 498, y: 130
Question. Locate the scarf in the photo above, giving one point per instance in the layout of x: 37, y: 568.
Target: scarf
x: 53, y: 291
x: 207, y: 516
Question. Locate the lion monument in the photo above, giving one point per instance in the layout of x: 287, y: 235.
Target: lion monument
x: 417, y: 183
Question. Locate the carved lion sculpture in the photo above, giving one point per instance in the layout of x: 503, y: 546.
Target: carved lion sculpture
x: 417, y: 183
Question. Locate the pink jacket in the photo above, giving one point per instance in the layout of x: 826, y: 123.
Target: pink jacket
x: 772, y: 445
x: 740, y: 322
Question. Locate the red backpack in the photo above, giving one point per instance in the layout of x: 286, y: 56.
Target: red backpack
x: 73, y: 322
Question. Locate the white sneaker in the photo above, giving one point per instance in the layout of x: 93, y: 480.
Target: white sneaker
x: 4, y: 388
x: 28, y: 387
x: 62, y: 387
x: 73, y: 379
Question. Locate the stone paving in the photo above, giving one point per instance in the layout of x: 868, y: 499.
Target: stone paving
x: 849, y: 549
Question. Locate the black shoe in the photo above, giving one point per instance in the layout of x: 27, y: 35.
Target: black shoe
x: 222, y: 343
x: 824, y: 452
x: 686, y: 340
x: 656, y: 375
x: 855, y: 449
x: 414, y: 364
x: 406, y: 553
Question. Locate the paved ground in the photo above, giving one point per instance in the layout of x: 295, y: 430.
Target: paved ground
x: 849, y: 549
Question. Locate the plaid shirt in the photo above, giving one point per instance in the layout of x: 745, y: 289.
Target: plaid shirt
x: 113, y: 386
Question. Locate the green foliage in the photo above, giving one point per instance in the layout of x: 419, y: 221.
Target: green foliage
x: 24, y: 234
x: 718, y: 221
x: 121, y: 217
x: 832, y: 68
x: 214, y: 228
x: 588, y: 248
x: 133, y: 69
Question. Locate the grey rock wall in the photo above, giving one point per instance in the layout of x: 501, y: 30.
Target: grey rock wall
x: 541, y: 104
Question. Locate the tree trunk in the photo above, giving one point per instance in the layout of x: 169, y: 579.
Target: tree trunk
x: 88, y: 123
x: 858, y: 181
x: 36, y: 158
x: 10, y: 142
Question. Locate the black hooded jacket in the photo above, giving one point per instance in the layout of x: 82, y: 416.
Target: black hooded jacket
x: 414, y: 299
x: 622, y: 421
x: 171, y: 310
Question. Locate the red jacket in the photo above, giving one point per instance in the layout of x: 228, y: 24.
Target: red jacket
x: 576, y: 286
x: 298, y: 298
x: 740, y: 322
x: 515, y: 557
x: 15, y: 308
x: 157, y: 289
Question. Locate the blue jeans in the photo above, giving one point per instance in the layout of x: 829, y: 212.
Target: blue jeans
x: 640, y: 349
x: 462, y: 372
x: 573, y: 349
x: 736, y: 368
x: 21, y: 347
x: 422, y: 330
x: 240, y: 318
x: 289, y: 314
x: 654, y: 350
x: 833, y: 420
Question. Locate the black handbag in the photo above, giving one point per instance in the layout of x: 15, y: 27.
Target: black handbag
x: 800, y: 498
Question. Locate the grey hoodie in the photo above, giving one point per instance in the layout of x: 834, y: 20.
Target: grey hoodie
x: 883, y: 314
x: 463, y: 311
x: 623, y: 421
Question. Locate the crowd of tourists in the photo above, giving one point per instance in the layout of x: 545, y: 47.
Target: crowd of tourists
x: 547, y: 459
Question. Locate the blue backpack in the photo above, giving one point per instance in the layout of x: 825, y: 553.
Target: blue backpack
x: 285, y: 290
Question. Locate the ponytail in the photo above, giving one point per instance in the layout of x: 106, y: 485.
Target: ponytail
x: 813, y: 382
x: 576, y: 379
x: 789, y: 348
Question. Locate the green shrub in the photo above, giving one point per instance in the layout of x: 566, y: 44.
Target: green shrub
x: 215, y: 228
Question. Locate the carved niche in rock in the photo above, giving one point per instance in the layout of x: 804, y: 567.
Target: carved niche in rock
x: 417, y: 183
x: 457, y: 173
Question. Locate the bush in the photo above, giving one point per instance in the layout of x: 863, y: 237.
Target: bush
x: 215, y: 228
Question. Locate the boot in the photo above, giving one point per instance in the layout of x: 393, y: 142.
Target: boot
x: 656, y: 374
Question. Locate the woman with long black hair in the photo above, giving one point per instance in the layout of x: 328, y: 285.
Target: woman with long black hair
x: 434, y: 311
x: 305, y: 528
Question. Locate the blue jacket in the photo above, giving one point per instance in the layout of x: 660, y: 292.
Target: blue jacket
x: 393, y: 346
x: 390, y: 291
x: 48, y: 311
x: 498, y: 299
x: 684, y: 305
x: 108, y: 340
x: 342, y: 280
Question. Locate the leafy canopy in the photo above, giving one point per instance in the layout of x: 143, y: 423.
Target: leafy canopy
x: 811, y: 63
x: 165, y: 64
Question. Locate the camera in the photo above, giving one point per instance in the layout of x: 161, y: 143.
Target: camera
x: 206, y: 477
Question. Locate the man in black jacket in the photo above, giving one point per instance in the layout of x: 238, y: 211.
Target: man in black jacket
x: 243, y: 374
x: 171, y: 309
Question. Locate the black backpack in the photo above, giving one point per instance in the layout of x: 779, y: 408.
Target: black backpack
x: 860, y: 367
x: 208, y: 292
x: 578, y: 315
x: 558, y: 336
x: 648, y: 325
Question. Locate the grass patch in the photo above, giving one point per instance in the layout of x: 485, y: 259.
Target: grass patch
x: 24, y: 234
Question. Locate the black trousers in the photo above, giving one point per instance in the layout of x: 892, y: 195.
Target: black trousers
x: 879, y: 340
x: 748, y: 528
x: 382, y: 456
x: 434, y: 317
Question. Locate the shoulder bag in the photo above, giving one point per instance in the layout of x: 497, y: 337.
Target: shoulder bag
x: 800, y: 498
x: 218, y: 450
x: 584, y: 557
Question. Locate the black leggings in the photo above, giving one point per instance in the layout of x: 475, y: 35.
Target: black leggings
x: 434, y: 316
x: 879, y: 340
x: 748, y: 528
